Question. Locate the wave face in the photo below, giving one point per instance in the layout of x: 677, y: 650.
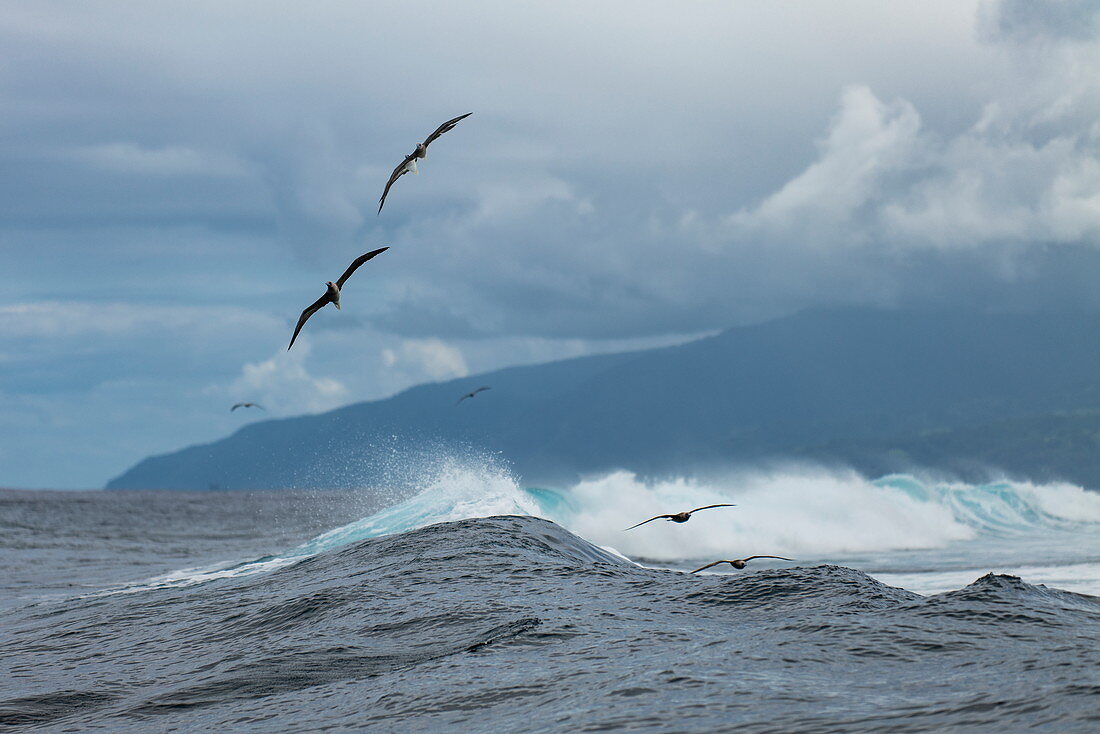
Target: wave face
x: 516, y: 624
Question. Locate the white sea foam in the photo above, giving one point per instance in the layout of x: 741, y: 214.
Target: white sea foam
x: 1064, y: 501
x: 787, y: 513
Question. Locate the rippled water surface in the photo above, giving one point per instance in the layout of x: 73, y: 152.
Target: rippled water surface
x: 158, y: 611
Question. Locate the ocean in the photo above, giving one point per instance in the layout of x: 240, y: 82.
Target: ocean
x: 466, y: 601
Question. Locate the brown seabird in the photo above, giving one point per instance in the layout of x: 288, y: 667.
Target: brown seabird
x: 332, y: 295
x: 471, y: 394
x: 679, y: 516
x: 247, y: 405
x: 739, y: 562
x: 409, y: 164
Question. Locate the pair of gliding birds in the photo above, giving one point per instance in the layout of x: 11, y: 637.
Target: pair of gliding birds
x: 682, y: 517
x: 332, y: 292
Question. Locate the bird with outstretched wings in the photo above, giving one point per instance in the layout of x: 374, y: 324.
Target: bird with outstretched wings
x: 332, y: 294
x: 678, y: 516
x: 471, y: 394
x: 421, y: 151
x: 739, y: 562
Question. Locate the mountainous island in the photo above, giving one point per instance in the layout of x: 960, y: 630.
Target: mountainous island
x: 877, y: 390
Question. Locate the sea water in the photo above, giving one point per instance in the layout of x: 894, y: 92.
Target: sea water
x: 473, y: 602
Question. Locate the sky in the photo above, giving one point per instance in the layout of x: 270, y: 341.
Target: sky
x: 179, y: 180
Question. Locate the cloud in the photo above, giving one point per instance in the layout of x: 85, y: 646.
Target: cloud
x: 283, y: 381
x: 867, y: 140
x: 314, y: 185
x: 430, y: 358
x: 57, y: 320
x: 1028, y: 20
x: 989, y: 190
x: 882, y: 181
x: 883, y: 190
x: 171, y: 160
x: 61, y: 348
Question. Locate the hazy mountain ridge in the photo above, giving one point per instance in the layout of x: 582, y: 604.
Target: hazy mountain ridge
x: 881, y: 390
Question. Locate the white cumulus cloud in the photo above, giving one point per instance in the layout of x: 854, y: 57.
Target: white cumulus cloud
x: 430, y: 358
x: 867, y: 139
x: 284, y: 385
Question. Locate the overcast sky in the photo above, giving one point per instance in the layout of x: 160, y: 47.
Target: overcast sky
x: 178, y: 180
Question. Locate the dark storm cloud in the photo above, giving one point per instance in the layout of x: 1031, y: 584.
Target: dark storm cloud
x: 1029, y: 20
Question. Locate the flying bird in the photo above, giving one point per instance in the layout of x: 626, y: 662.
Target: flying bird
x: 679, y: 516
x: 471, y: 394
x: 332, y: 295
x: 738, y: 562
x: 409, y: 164
x: 247, y: 405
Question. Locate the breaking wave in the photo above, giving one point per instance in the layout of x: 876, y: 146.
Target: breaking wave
x: 808, y: 513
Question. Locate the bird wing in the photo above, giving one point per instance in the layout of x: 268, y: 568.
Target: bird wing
x: 643, y: 522
x: 746, y: 560
x: 356, y: 263
x: 312, y: 309
x: 445, y: 127
x: 710, y: 506
x: 397, y: 173
x: 709, y: 565
x: 257, y: 405
x: 471, y: 394
x: 238, y: 405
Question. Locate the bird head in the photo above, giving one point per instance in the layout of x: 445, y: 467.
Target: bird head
x: 737, y: 564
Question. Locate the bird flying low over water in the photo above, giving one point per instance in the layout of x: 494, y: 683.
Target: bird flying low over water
x: 471, y: 394
x: 738, y: 562
x: 332, y: 295
x: 247, y: 405
x: 409, y: 164
x: 679, y: 516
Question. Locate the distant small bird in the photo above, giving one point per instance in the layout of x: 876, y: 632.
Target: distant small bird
x: 679, y: 516
x: 738, y: 562
x: 247, y: 405
x: 471, y: 394
x: 409, y: 164
x: 332, y: 295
